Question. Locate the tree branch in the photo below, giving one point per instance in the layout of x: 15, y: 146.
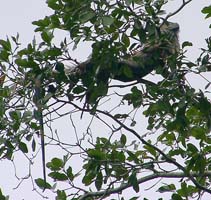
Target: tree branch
x: 167, y: 158
x: 184, y: 3
x: 142, y: 180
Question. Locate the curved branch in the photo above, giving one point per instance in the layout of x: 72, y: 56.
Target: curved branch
x: 142, y: 180
x: 184, y: 3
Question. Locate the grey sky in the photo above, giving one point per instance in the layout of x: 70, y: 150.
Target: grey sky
x: 16, y: 16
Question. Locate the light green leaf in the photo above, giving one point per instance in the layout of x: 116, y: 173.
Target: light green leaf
x: 61, y: 195
x: 107, y: 20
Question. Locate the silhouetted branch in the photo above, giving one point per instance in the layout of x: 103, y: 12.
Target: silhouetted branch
x: 184, y: 3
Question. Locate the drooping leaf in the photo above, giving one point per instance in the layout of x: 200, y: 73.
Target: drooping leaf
x: 70, y: 173
x: 125, y: 40
x: 134, y: 182
x: 33, y: 145
x: 123, y: 139
x: 47, y: 36
x: 23, y: 147
x: 99, y: 181
x: 42, y: 184
x: 88, y: 178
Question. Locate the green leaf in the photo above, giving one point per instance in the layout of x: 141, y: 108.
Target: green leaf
x: 167, y: 188
x: 15, y: 115
x: 27, y: 116
x: 176, y: 197
x: 120, y: 156
x: 134, y: 182
x: 207, y: 10
x: 121, y: 116
x: 2, y: 197
x: 97, y: 154
x: 53, y: 4
x: 55, y: 164
x: 79, y: 89
x: 33, y: 145
x: 86, y: 16
x: 133, y: 157
x: 53, y: 53
x: 198, y: 132
x: 47, y: 36
x: 123, y: 139
x: 4, y: 55
x: 21, y: 62
x: 5, y: 44
x: 187, y: 44
x: 26, y: 63
x: 107, y: 20
x: 125, y: 40
x: 135, y: 198
x: 99, y: 181
x: 128, y: 2
x: 42, y: 184
x: 88, y: 178
x: 61, y: 195
x: 200, y: 163
x: 22, y: 146
x: 55, y: 21
x: 151, y: 150
x: 58, y: 176
x: 127, y: 72
x: 192, y: 148
x: 150, y: 10
x: 70, y: 173
x: 42, y: 24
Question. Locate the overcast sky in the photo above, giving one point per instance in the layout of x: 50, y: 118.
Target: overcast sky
x: 16, y: 16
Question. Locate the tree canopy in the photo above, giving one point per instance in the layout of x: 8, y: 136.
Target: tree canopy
x: 113, y: 132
